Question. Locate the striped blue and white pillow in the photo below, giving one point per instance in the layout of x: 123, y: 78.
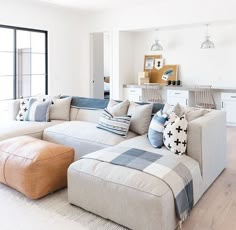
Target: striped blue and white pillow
x: 118, y: 125
x: 38, y: 110
x: 156, y: 128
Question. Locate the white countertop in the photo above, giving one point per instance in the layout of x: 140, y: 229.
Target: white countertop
x: 181, y: 87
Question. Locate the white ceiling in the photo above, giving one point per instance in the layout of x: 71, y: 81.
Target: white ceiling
x: 100, y: 5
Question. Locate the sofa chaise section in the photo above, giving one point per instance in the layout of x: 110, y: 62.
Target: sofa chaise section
x: 129, y: 197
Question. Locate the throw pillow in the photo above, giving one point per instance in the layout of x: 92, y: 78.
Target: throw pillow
x: 140, y: 117
x: 177, y: 109
x: 42, y: 97
x: 38, y: 111
x: 60, y: 109
x: 24, y: 106
x: 118, y: 125
x: 194, y: 113
x: 156, y: 128
x: 172, y: 117
x: 175, y: 135
x: 118, y: 108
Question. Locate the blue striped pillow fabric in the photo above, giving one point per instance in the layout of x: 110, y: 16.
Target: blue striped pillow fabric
x: 156, y: 128
x: 118, y: 125
x: 38, y: 111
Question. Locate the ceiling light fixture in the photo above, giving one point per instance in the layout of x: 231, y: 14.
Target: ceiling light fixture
x: 207, y: 44
x: 156, y: 46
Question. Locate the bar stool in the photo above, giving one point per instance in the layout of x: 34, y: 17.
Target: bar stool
x: 152, y: 93
x: 204, y: 97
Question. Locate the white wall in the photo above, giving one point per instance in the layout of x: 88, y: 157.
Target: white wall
x: 69, y: 71
x: 178, y: 50
x: 182, y: 47
x: 68, y: 42
x: 126, y: 65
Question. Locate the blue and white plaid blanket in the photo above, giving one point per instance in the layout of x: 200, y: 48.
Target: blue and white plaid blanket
x: 168, y: 168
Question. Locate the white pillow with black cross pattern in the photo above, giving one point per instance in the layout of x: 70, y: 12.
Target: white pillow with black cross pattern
x: 24, y: 106
x: 175, y: 135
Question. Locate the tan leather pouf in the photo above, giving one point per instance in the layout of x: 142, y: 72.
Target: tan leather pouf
x: 34, y: 167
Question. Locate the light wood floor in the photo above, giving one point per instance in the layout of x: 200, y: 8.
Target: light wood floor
x: 216, y: 210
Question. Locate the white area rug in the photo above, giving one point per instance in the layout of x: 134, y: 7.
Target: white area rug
x: 52, y: 212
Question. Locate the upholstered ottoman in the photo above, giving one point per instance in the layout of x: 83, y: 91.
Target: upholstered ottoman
x: 34, y: 167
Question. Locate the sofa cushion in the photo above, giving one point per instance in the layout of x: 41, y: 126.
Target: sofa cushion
x: 11, y: 129
x: 117, y: 125
x: 140, y: 117
x: 84, y: 136
x: 118, y: 108
x: 13, y: 109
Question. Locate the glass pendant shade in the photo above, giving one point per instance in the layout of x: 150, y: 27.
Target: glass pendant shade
x: 207, y: 44
x: 156, y: 46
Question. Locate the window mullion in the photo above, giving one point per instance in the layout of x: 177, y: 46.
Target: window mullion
x: 15, y: 66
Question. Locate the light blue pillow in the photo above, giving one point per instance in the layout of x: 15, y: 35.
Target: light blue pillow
x: 38, y: 111
x: 156, y: 128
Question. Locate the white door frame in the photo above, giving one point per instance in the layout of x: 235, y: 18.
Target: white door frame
x: 91, y: 69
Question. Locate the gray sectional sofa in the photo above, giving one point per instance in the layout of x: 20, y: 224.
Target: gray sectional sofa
x: 128, y: 197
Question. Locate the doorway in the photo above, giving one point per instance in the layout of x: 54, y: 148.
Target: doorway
x: 101, y: 65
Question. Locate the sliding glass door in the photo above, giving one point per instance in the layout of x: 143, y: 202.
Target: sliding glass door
x: 23, y: 62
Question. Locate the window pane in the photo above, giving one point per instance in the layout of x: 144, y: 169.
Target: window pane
x: 23, y: 40
x: 38, y: 42
x: 6, y: 39
x: 23, y: 86
x: 38, y: 63
x: 23, y: 63
x: 37, y: 84
x: 6, y: 87
x: 6, y: 63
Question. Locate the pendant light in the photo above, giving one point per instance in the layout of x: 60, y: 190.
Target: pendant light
x: 156, y: 46
x: 207, y: 44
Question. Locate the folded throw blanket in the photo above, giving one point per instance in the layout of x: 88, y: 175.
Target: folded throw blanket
x: 165, y: 167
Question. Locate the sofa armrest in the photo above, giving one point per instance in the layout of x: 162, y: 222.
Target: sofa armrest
x: 13, y: 109
x: 207, y: 144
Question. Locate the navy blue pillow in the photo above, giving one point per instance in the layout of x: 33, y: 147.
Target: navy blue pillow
x: 155, y: 131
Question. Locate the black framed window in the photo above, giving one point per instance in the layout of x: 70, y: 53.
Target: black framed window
x: 23, y: 62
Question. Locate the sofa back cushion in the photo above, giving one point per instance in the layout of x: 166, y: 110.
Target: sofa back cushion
x: 13, y: 109
x: 89, y: 115
x: 90, y: 109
